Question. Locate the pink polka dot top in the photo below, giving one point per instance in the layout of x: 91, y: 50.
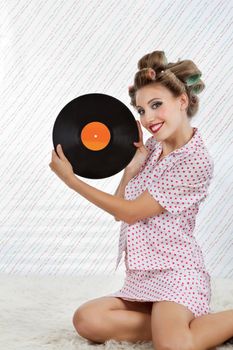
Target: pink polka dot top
x: 179, y: 182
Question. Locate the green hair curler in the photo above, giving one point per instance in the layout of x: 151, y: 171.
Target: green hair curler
x: 193, y: 79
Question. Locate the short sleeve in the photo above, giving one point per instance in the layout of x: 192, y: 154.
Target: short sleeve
x: 183, y: 185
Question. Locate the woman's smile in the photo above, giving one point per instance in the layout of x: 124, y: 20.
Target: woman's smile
x: 155, y: 128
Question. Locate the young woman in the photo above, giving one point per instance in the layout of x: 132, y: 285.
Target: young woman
x: 166, y: 293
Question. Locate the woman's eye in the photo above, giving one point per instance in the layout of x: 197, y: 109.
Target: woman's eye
x: 153, y: 104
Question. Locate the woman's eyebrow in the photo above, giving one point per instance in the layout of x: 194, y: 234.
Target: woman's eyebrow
x: 155, y: 98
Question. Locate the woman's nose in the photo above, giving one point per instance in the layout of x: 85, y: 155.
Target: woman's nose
x: 149, y: 117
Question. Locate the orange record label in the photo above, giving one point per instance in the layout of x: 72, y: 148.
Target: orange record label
x: 95, y: 136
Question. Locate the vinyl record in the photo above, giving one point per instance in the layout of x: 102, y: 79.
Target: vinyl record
x: 96, y: 132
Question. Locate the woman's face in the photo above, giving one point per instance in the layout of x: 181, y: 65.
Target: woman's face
x: 155, y: 104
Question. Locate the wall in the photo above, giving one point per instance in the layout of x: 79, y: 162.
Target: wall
x: 53, y: 51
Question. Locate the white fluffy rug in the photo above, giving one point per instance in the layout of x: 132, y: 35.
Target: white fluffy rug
x: 36, y: 312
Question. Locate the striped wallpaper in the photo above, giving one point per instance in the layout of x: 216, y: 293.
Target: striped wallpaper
x: 53, y: 51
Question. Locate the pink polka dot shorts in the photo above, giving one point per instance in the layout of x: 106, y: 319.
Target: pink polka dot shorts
x: 190, y: 288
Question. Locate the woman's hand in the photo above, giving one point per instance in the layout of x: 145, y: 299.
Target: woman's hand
x: 61, y: 166
x: 140, y: 156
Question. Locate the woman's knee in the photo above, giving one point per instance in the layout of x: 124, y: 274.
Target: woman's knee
x: 83, y: 322
x: 88, y: 316
x: 76, y: 320
x: 87, y: 321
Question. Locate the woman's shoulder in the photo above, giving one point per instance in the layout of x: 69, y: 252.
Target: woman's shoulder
x: 197, y: 165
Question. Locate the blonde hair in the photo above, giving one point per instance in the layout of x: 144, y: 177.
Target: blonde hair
x: 180, y: 77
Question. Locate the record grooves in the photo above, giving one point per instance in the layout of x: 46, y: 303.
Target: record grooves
x: 96, y: 132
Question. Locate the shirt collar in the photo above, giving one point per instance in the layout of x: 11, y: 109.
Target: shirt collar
x: 195, y: 142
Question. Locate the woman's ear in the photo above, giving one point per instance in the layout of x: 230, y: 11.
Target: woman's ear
x: 184, y: 101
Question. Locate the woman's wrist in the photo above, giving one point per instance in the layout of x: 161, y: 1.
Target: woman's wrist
x: 71, y: 181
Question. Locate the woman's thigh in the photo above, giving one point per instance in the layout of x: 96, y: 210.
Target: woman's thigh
x: 115, y: 303
x: 95, y: 319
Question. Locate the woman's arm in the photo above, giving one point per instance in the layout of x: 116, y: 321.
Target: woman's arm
x: 115, y: 205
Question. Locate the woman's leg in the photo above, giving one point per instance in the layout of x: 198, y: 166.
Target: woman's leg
x: 213, y: 329
x: 170, y: 326
x: 107, y: 318
x: 173, y: 327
